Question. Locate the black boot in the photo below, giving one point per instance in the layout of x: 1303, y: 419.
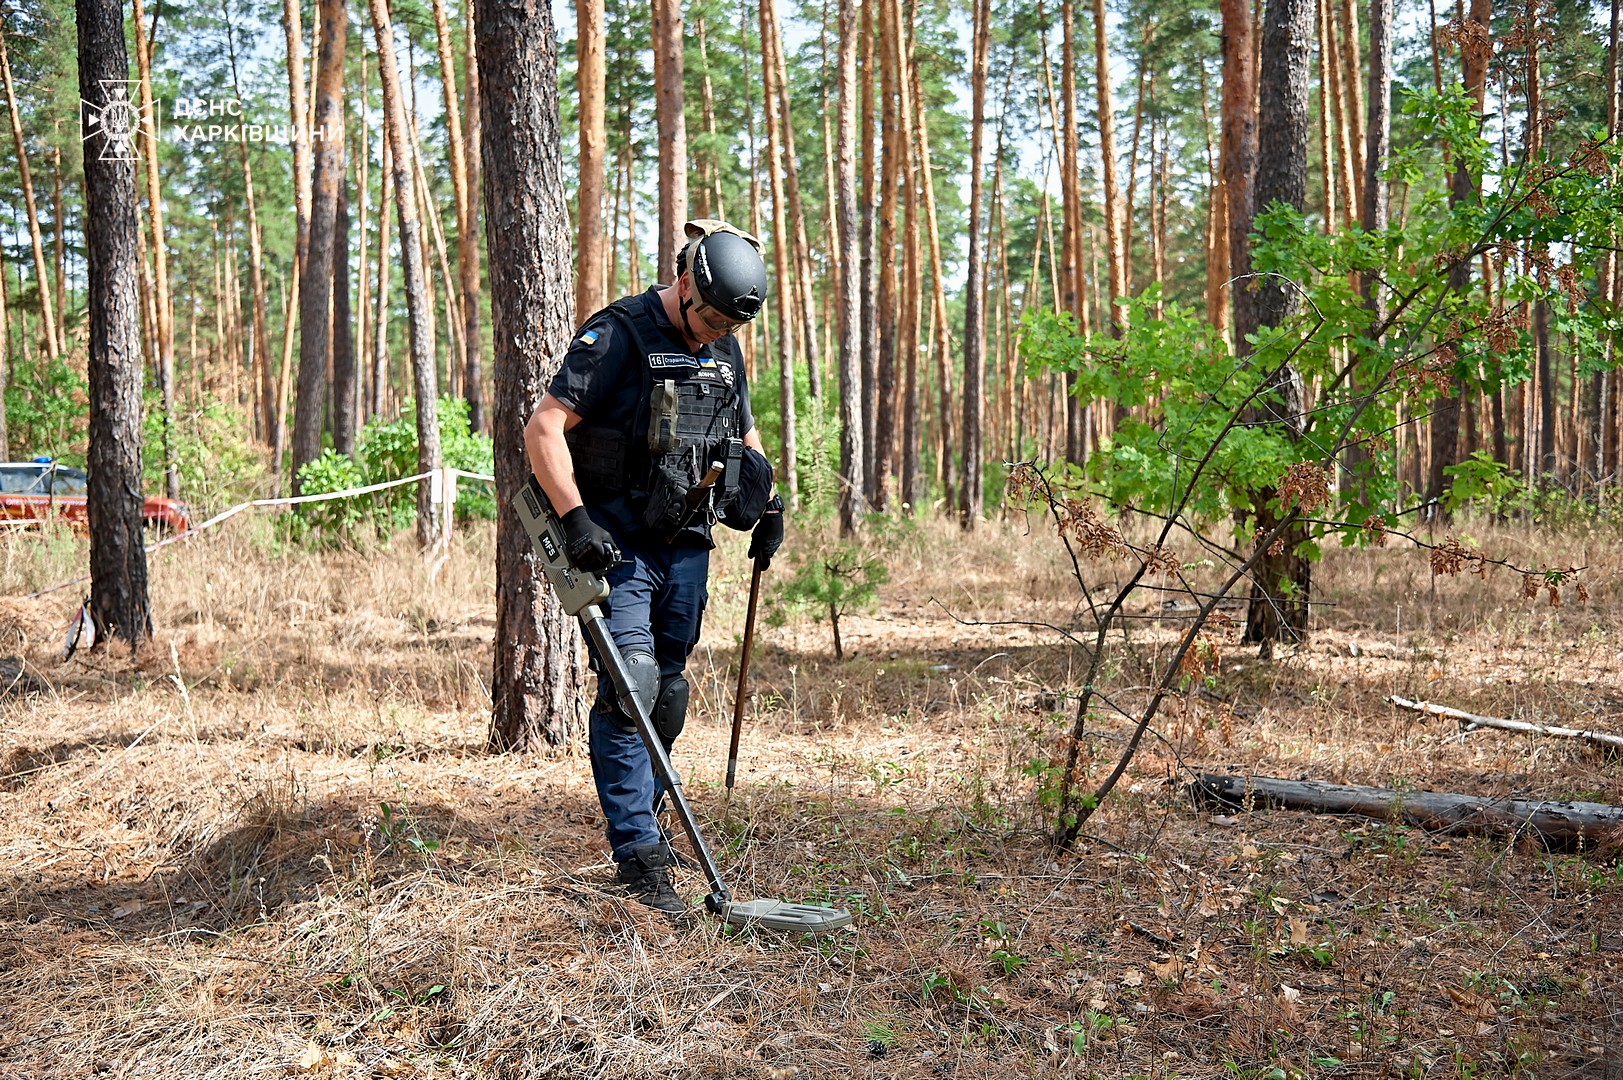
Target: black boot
x: 647, y: 877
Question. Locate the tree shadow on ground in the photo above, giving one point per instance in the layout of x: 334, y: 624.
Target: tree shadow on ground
x: 278, y: 852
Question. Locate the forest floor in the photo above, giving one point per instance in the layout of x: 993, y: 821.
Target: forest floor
x: 276, y: 845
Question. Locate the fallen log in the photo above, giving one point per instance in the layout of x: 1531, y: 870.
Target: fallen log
x: 1563, y: 825
x: 1472, y: 720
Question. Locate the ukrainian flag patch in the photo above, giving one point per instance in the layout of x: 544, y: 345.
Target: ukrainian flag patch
x: 588, y: 338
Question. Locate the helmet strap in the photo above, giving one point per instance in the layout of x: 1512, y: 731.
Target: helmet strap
x: 684, y: 306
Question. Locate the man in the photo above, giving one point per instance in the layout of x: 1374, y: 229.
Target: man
x: 643, y: 441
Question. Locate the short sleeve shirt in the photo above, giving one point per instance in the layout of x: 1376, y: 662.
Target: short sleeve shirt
x: 599, y: 379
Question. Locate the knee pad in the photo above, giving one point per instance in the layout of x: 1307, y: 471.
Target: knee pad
x: 671, y: 712
x: 643, y: 672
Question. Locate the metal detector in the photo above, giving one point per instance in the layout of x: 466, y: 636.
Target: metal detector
x: 581, y: 595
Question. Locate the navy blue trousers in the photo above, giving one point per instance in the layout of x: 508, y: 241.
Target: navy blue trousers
x: 656, y: 604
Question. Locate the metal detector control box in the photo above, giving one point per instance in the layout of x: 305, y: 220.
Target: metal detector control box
x: 576, y: 589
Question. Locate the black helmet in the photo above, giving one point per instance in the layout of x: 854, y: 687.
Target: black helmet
x: 727, y: 271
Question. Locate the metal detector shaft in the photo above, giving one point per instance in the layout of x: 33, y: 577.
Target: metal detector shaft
x: 743, y: 675
x: 597, y: 629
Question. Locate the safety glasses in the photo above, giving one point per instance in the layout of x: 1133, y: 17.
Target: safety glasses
x: 715, y: 320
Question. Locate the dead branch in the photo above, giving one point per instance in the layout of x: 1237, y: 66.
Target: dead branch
x: 1472, y: 720
x: 1554, y: 824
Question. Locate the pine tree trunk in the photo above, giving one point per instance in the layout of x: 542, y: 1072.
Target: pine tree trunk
x: 1351, y: 65
x: 1328, y: 111
x: 711, y: 168
x: 590, y: 84
x: 380, y: 317
x: 315, y: 288
x: 1601, y: 417
x: 780, y: 265
x: 458, y: 290
x: 473, y: 390
x: 941, y: 347
x: 1373, y: 219
x: 1282, y: 135
x: 47, y: 318
x: 299, y: 110
x: 1068, y: 273
x: 911, y: 286
x: 118, y: 568
x: 673, y: 135
x: 845, y: 180
x: 970, y: 503
x: 59, y: 255
x: 888, y: 300
x: 362, y: 155
x: 265, y: 378
x: 1239, y: 156
x: 801, y: 249
x: 419, y: 313
x: 537, y: 679
x: 1115, y: 251
x: 869, y: 282
x: 164, y: 323
x: 344, y: 369
x: 832, y: 237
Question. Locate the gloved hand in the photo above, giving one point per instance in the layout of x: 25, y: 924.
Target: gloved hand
x: 591, y: 547
x: 768, y: 535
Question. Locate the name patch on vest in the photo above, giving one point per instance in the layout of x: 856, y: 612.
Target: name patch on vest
x: 666, y: 361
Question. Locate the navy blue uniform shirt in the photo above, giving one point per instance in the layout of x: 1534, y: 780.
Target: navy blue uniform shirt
x: 599, y: 380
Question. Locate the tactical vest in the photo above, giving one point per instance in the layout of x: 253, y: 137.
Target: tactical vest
x: 686, y: 421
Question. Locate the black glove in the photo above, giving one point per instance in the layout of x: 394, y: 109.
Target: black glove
x: 591, y: 547
x: 768, y: 535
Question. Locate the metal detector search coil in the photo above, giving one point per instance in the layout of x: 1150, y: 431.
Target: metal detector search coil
x: 580, y: 594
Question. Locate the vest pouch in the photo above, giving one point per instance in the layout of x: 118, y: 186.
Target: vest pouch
x: 599, y: 458
x: 668, y: 487
x: 664, y: 414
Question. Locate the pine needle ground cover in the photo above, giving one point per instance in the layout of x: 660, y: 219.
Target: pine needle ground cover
x: 277, y: 846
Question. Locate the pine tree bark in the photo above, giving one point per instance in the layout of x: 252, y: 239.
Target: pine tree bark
x: 869, y: 282
x: 947, y: 440
x: 1115, y: 253
x: 419, y: 313
x: 466, y: 286
x: 590, y: 83
x: 800, y: 251
x: 1068, y: 274
x: 780, y: 262
x: 316, y: 273
x: 852, y: 504
x: 1602, y: 418
x: 59, y: 256
x: 299, y: 109
x: 537, y: 680
x: 345, y: 371
x: 911, y: 285
x: 473, y: 390
x: 47, y: 317
x: 673, y: 135
x: 380, y: 316
x: 1239, y: 162
x: 886, y: 302
x: 1282, y: 135
x: 164, y: 323
x: 118, y: 568
x: 970, y: 502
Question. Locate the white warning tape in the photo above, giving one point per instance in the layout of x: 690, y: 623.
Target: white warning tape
x: 291, y: 500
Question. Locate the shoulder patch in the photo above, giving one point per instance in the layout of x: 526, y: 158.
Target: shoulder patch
x: 588, y: 337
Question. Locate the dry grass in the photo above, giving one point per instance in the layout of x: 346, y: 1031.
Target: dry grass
x: 201, y: 878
